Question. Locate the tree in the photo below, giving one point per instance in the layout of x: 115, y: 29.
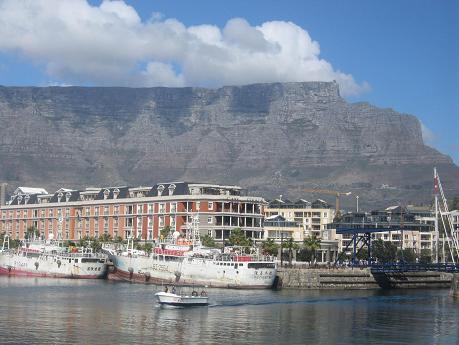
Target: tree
x: 312, y: 244
x: 291, y: 246
x: 426, y: 256
x: 118, y: 239
x: 238, y: 238
x: 208, y: 241
x: 105, y: 238
x: 362, y: 254
x: 407, y: 255
x: 165, y: 232
x: 270, y: 247
x: 383, y: 251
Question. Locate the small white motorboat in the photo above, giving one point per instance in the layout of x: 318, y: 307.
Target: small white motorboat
x: 172, y: 299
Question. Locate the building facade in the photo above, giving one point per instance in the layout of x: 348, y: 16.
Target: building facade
x: 411, y: 227
x: 299, y: 220
x: 139, y: 212
x: 312, y: 216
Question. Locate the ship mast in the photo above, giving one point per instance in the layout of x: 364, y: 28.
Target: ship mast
x: 441, y: 209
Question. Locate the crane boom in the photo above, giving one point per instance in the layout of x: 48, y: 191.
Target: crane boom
x: 330, y: 192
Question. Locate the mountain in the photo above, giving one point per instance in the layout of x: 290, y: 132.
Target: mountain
x: 269, y: 138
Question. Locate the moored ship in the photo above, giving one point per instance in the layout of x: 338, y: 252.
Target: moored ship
x: 48, y: 259
x: 184, y: 261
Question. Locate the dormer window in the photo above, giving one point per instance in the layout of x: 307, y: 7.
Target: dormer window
x: 106, y: 194
x: 171, y: 189
x: 59, y: 197
x: 116, y: 192
x: 26, y: 199
x: 160, y: 190
x: 19, y: 199
x: 68, y: 195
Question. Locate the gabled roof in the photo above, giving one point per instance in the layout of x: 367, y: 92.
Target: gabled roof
x: 176, y: 188
x: 123, y: 192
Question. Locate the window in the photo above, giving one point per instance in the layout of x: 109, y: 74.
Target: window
x: 172, y: 222
x: 139, y: 209
x: 105, y: 210
x: 129, y: 209
x: 116, y: 210
x: 161, y: 222
x: 128, y: 222
x: 87, y: 211
x: 162, y: 208
x: 96, y: 211
x: 210, y: 205
x: 209, y: 220
x: 173, y: 207
x: 150, y: 208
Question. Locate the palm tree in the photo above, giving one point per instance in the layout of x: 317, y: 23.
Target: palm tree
x: 291, y: 246
x: 238, y: 238
x: 270, y: 247
x: 208, y: 241
x: 312, y: 244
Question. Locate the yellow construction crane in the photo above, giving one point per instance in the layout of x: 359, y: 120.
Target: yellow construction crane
x: 330, y: 192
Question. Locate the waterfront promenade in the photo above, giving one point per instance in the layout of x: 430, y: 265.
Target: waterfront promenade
x: 359, y: 278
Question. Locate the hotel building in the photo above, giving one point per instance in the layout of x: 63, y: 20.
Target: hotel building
x: 139, y: 212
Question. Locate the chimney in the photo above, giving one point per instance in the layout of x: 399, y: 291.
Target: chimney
x: 2, y: 193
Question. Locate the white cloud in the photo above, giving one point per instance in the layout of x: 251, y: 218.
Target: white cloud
x: 427, y: 135
x: 110, y: 45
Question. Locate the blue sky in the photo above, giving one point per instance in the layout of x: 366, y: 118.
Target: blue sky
x: 407, y: 52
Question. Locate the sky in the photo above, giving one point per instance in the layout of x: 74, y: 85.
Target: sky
x: 400, y: 54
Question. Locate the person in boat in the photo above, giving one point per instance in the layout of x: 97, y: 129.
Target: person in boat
x: 194, y: 293
x: 166, y: 289
x: 173, y: 289
x: 203, y: 293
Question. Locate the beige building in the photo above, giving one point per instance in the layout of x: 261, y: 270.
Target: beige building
x: 299, y: 220
x: 312, y: 216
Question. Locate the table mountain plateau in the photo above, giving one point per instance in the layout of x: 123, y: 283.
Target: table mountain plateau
x: 269, y: 138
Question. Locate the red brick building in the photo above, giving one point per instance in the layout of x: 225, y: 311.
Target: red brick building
x: 139, y: 212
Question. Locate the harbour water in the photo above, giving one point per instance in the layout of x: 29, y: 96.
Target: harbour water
x: 60, y: 311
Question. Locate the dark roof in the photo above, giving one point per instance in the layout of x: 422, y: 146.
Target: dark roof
x: 123, y: 193
x: 74, y: 196
x: 178, y: 188
x: 20, y: 199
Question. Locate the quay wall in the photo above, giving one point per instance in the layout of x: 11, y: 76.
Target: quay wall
x: 358, y: 278
x: 455, y: 286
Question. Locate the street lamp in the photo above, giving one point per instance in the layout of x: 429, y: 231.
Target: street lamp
x: 357, y: 199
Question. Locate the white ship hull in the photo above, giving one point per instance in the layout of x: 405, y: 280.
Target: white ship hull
x: 172, y: 299
x: 190, y: 271
x: 13, y: 263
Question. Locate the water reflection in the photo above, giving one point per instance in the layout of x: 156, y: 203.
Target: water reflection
x: 48, y: 311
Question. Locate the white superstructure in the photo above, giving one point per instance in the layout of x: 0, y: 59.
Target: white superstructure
x: 48, y: 259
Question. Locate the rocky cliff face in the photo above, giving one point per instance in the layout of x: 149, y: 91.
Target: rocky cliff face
x: 270, y: 138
